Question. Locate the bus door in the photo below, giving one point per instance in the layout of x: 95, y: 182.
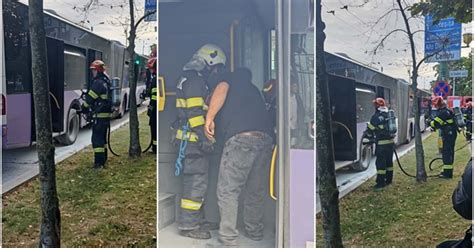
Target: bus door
x: 343, y: 102
x: 55, y: 50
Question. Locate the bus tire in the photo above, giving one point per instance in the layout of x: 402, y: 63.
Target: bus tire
x: 72, y: 129
x: 366, y: 155
x: 123, y: 108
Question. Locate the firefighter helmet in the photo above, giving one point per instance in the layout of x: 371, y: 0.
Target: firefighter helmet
x: 438, y: 101
x: 379, y: 102
x: 98, y: 65
x: 211, y: 54
x: 151, y: 64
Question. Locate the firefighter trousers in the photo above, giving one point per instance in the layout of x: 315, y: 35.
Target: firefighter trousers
x: 384, y: 163
x: 195, y: 182
x: 244, y: 162
x: 99, y: 140
x: 449, y: 141
x: 152, y: 124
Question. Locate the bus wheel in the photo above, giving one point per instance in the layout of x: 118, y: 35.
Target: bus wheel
x: 410, y: 136
x: 365, y: 158
x: 72, y: 132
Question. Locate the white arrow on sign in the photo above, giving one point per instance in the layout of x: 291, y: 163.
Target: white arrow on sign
x: 458, y: 74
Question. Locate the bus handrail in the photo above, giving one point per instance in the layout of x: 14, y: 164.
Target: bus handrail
x: 272, y: 173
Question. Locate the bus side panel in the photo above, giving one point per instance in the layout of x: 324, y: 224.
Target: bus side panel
x: 302, y: 197
x: 19, y: 129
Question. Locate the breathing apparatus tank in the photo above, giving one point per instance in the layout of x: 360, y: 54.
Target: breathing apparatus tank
x: 115, y: 91
x: 391, y: 123
x: 458, y: 117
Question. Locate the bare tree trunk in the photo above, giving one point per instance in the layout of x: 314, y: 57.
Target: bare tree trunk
x: 50, y: 222
x: 134, y: 149
x: 328, y: 191
x: 420, y: 154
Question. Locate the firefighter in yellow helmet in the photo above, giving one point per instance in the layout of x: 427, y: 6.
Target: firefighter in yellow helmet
x: 200, y: 75
x: 98, y: 102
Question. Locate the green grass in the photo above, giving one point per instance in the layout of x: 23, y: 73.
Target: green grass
x: 115, y: 207
x: 406, y: 214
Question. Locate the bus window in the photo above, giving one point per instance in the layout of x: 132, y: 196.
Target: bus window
x: 364, y: 97
x: 302, y: 91
x: 75, y: 74
x: 17, y: 57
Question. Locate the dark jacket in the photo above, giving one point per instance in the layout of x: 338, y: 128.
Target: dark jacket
x: 462, y: 195
x: 98, y: 97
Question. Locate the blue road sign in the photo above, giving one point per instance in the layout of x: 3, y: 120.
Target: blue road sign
x: 447, y: 34
x: 150, y: 6
x: 441, y: 88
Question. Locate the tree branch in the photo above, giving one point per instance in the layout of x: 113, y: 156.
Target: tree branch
x: 388, y: 35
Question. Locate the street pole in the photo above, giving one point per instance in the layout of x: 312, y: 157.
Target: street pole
x: 454, y: 86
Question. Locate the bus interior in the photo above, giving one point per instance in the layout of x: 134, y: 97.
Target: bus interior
x: 247, y: 31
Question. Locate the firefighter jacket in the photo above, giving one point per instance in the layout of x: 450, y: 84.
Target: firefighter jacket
x: 153, y: 95
x: 98, y: 97
x: 444, y: 120
x: 377, y: 127
x: 462, y: 195
x: 191, y: 93
x: 468, y: 115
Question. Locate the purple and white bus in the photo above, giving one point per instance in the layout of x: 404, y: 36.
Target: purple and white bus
x: 70, y: 49
x: 352, y: 87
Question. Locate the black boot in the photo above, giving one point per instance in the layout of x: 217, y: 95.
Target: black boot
x: 389, y: 177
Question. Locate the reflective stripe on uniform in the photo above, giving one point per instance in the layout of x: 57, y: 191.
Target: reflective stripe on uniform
x: 153, y: 97
x: 385, y: 142
x: 194, y: 102
x: 448, y: 167
x: 389, y: 168
x: 196, y: 121
x: 99, y: 150
x: 381, y: 172
x: 154, y: 142
x: 192, y: 137
x: 104, y: 96
x: 86, y: 104
x: 180, y: 103
x: 432, y: 124
x: 102, y: 115
x: 380, y: 126
x: 153, y: 90
x: 92, y: 94
x: 205, y: 107
x: 190, y: 204
x: 370, y: 126
x: 440, y: 121
x: 450, y: 121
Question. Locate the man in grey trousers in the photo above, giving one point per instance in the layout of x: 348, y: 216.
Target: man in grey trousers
x: 245, y: 129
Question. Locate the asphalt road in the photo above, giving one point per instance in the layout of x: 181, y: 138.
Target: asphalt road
x: 21, y: 165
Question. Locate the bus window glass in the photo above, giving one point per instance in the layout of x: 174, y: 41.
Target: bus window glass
x: 302, y: 90
x: 364, y: 98
x: 17, y: 56
x: 74, y: 68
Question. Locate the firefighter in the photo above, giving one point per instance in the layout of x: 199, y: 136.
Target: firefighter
x: 444, y: 120
x: 468, y: 120
x: 98, y: 102
x: 199, y: 75
x: 378, y: 132
x: 152, y: 107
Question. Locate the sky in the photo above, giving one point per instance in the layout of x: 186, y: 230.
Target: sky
x: 353, y: 32
x: 110, y: 16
